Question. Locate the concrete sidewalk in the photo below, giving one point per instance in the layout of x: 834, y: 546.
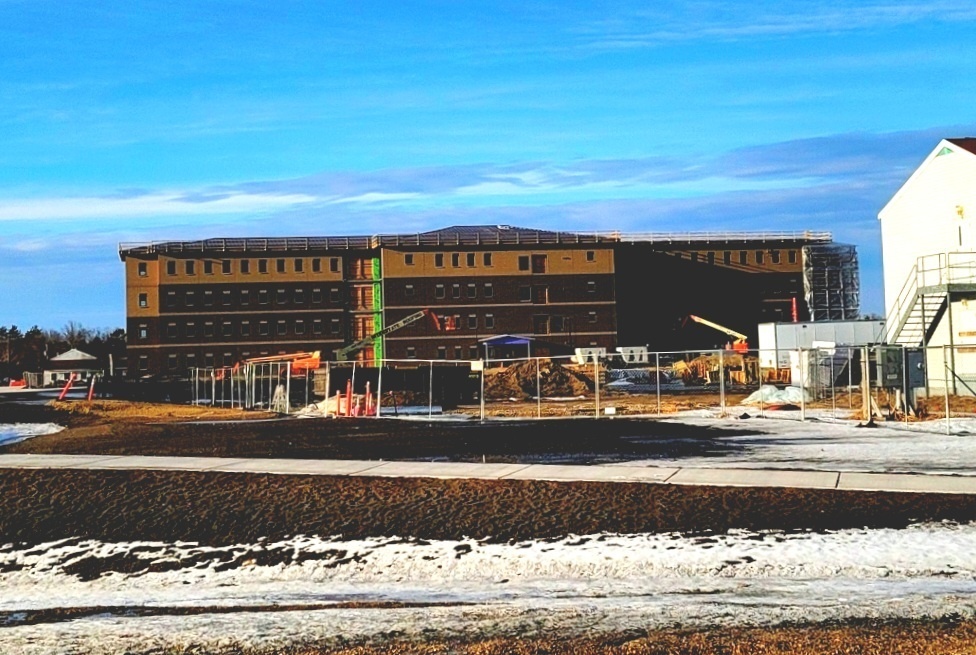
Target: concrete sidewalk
x: 722, y: 477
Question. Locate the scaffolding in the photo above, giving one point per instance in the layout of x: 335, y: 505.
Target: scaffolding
x: 831, y: 283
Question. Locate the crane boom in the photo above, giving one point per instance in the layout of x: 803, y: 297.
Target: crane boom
x: 343, y: 353
x: 739, y: 337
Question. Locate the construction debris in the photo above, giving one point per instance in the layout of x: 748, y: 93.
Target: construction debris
x: 524, y: 380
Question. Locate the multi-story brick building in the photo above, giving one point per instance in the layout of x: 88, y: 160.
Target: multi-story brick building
x: 217, y: 301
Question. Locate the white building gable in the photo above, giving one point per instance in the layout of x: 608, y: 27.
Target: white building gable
x: 933, y: 212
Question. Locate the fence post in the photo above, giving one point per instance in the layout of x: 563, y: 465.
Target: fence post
x: 484, y: 365
x: 538, y: 389
x: 379, y: 389
x: 596, y: 385
x: 721, y: 382
x: 945, y: 371
x: 850, y: 379
x: 430, y: 392
x: 833, y: 389
x: 213, y: 387
x: 804, y: 375
x: 657, y: 379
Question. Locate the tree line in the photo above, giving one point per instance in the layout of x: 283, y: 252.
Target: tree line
x: 30, y: 350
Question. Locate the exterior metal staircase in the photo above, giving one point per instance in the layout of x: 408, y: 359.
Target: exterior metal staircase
x: 924, y: 298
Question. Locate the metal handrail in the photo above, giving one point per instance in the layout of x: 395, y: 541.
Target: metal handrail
x: 499, y: 237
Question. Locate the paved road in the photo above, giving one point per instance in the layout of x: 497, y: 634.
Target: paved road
x: 897, y: 482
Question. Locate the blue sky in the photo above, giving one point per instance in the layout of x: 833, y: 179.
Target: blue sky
x: 147, y: 121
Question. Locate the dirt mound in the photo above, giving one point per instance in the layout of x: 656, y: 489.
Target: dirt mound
x: 520, y: 381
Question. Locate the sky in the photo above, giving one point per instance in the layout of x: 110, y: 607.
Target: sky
x: 134, y: 122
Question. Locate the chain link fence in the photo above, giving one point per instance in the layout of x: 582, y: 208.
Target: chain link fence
x: 863, y: 383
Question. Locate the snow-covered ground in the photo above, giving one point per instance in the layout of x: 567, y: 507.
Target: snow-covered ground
x: 576, y: 585
x: 822, y: 442
x: 14, y: 432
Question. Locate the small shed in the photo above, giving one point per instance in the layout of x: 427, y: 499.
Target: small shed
x: 515, y: 346
x: 60, y: 368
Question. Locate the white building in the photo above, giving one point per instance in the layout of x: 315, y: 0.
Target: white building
x: 929, y: 248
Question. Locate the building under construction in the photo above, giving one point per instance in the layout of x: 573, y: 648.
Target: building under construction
x: 217, y: 301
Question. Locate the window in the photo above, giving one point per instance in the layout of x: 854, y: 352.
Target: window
x: 472, y: 321
x: 727, y: 257
x: 299, y: 326
x: 171, y: 299
x: 208, y: 329
x: 245, y: 328
x: 171, y: 330
x: 539, y: 263
x: 262, y: 266
x: 556, y: 324
x: 191, y: 299
x: 486, y: 259
x: 455, y: 291
x: 523, y: 262
x: 411, y: 352
x: 408, y: 258
x: 282, y: 328
x: 143, y: 331
x: 190, y: 267
x: 281, y: 297
x: 489, y: 290
x: 263, y: 328
x: 316, y: 265
x: 470, y: 259
x: 760, y: 257
x: 441, y: 352
x: 472, y: 352
x: 540, y: 294
x: 225, y: 297
x: 455, y: 259
x: 408, y: 290
x: 143, y: 363
x: 334, y: 295
x: 245, y: 296
x: 280, y: 265
x: 170, y: 268
x: 298, y: 296
x: 334, y: 264
x: 191, y: 329
x: 489, y: 321
x: 335, y: 326
x: 225, y: 267
x: 439, y: 291
x: 457, y: 352
x: 743, y: 257
x: 591, y: 286
x: 246, y: 266
x: 263, y: 297
x: 591, y: 255
x: 591, y: 316
x: 208, y: 267
x: 791, y: 256
x: 439, y: 260
x: 191, y: 360
x: 472, y: 290
x: 208, y: 298
x: 525, y: 294
x: 299, y: 265
x: 208, y: 359
x: 316, y: 296
x: 144, y: 300
x: 227, y: 329
x: 317, y: 326
x: 143, y: 269
x: 774, y: 256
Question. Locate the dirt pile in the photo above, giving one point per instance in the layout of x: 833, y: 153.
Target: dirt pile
x: 520, y: 381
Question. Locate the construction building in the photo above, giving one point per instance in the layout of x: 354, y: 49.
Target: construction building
x: 217, y: 301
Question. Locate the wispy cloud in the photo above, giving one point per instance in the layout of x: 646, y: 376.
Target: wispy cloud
x: 724, y: 21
